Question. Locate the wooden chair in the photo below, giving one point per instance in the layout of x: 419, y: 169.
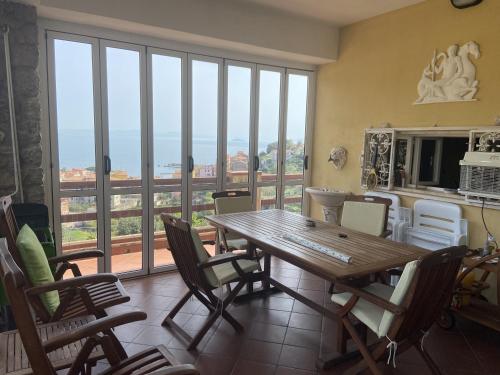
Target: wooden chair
x: 72, y: 344
x: 400, y: 317
x: 228, y: 202
x: 203, y: 274
x: 366, y: 214
x: 81, y: 295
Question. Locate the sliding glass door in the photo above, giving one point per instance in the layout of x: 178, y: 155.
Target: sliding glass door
x: 139, y: 131
x: 125, y: 159
x: 167, y: 146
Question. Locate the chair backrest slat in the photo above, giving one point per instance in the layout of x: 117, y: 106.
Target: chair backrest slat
x: 15, y: 284
x: 184, y: 252
x: 430, y: 291
x: 8, y: 225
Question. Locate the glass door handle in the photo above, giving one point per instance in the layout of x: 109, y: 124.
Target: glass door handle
x: 256, y: 163
x: 306, y: 162
x: 190, y: 164
x: 107, y: 165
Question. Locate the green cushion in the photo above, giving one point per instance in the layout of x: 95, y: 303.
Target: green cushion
x: 36, y: 266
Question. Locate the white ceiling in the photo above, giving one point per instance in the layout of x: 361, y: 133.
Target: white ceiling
x: 336, y: 12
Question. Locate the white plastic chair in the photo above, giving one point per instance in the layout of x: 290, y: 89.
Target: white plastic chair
x: 399, y: 217
x: 437, y: 225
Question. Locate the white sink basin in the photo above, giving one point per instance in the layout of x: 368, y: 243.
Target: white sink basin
x: 331, y: 200
x: 327, y: 197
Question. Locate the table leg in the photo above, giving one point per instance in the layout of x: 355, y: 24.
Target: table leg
x: 267, y: 271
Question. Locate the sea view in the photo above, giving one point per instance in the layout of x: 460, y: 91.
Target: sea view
x: 76, y: 150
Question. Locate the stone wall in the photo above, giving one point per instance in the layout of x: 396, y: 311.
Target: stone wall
x: 23, y: 38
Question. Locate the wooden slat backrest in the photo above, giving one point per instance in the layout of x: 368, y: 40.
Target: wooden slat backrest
x: 15, y: 284
x: 8, y: 225
x: 183, y: 250
x: 372, y: 199
x: 430, y: 291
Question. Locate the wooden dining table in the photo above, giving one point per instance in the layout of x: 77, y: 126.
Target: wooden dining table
x: 275, y: 233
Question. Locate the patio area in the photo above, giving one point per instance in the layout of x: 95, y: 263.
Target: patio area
x: 283, y: 336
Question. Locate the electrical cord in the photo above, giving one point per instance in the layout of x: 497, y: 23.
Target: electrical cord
x: 484, y: 223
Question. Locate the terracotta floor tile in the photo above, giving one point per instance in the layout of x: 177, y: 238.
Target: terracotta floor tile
x: 244, y: 367
x: 304, y: 338
x: 305, y: 321
x: 268, y: 332
x: 296, y: 357
x: 215, y: 365
x: 260, y: 351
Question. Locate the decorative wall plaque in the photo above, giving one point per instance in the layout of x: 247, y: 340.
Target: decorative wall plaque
x: 451, y: 76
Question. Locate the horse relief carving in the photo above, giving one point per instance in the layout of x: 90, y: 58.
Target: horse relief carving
x: 451, y: 76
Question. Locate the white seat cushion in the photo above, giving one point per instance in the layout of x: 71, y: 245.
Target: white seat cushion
x: 364, y: 217
x: 374, y: 317
x: 368, y: 313
x: 226, y: 273
x: 237, y: 243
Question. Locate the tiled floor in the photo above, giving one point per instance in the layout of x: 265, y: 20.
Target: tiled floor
x: 282, y: 336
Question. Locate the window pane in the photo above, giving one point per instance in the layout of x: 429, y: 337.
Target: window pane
x: 165, y: 202
x: 124, y: 115
x: 266, y: 197
x: 293, y: 198
x: 269, y: 123
x: 75, y: 114
x: 205, y: 90
x: 296, y: 125
x: 167, y: 119
x: 238, y: 123
x: 126, y: 232
x: 79, y: 229
x: 203, y: 205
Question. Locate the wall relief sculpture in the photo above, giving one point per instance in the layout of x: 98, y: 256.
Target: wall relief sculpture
x: 451, y: 76
x: 338, y: 156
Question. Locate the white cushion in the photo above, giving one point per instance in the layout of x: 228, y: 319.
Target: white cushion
x: 231, y: 205
x: 374, y: 317
x: 366, y: 217
x: 226, y: 273
x: 238, y: 244
x: 368, y: 313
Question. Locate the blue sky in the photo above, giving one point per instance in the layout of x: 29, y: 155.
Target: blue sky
x: 74, y: 89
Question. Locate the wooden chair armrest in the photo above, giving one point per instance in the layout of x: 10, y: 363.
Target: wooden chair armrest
x: 92, y: 328
x: 178, y: 370
x: 477, y: 263
x: 76, y: 255
x: 372, y: 298
x: 73, y: 283
x: 221, y: 259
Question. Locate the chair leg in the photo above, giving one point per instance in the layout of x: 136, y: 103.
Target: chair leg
x: 370, y: 362
x: 342, y: 337
x: 377, y: 353
x: 197, y: 338
x: 177, y: 307
x: 428, y: 359
x: 231, y: 320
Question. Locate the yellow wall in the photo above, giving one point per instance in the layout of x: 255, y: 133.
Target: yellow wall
x: 375, y: 79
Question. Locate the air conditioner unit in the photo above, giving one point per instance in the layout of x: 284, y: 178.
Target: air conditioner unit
x: 480, y: 176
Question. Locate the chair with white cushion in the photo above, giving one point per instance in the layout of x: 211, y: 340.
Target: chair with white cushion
x: 203, y: 274
x: 402, y: 316
x: 399, y: 217
x: 366, y: 214
x: 229, y: 202
x: 437, y: 225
